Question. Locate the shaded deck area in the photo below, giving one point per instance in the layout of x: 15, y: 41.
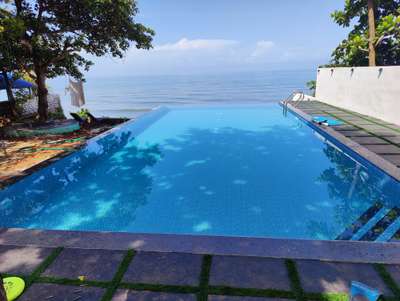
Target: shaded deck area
x: 87, y: 274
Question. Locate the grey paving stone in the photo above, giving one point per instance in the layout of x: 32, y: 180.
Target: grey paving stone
x: 384, y: 149
x: 93, y: 264
x: 128, y: 295
x: 56, y: 292
x: 234, y: 298
x: 21, y: 260
x: 395, y: 139
x: 328, y: 277
x: 369, y: 140
x: 356, y: 134
x: 249, y: 272
x: 395, y: 159
x: 164, y: 268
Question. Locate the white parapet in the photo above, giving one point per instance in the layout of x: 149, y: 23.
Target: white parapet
x: 373, y: 91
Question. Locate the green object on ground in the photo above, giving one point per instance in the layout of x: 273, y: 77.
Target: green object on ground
x: 34, y: 150
x: 56, y: 130
x: 14, y: 287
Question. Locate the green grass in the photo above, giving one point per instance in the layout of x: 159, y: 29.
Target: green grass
x: 251, y: 292
x: 76, y: 282
x: 204, y: 278
x: 42, y: 267
x: 294, y: 277
x: 363, y: 129
x: 118, y: 275
x: 387, y: 278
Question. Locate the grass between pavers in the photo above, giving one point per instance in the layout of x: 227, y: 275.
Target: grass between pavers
x: 365, y: 130
x: 113, y: 286
x: 294, y: 278
x: 250, y: 292
x: 367, y: 118
x: 42, y: 267
x: 389, y: 281
x: 204, y: 278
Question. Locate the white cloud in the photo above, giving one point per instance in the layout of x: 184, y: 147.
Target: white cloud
x: 262, y: 48
x: 197, y: 44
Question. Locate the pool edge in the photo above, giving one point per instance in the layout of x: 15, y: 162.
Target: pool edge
x: 328, y: 250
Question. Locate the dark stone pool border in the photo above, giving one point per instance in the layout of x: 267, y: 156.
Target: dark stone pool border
x: 329, y: 250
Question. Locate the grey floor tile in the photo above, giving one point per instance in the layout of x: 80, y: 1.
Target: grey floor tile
x: 369, y: 140
x: 234, y: 298
x: 164, y: 268
x: 129, y: 295
x: 93, y: 264
x: 328, y: 277
x: 56, y: 292
x: 249, y: 272
x: 394, y: 159
x: 21, y: 260
x: 384, y: 149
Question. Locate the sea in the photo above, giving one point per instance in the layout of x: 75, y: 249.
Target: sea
x: 129, y: 96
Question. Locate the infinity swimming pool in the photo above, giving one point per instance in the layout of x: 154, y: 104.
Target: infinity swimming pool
x: 228, y: 170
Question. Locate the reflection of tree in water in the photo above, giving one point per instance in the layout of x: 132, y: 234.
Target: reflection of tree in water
x: 63, y: 189
x: 356, y: 188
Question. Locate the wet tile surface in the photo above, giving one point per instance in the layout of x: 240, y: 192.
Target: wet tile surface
x: 164, y: 268
x: 21, y: 260
x: 327, y: 277
x: 249, y: 272
x: 55, y: 292
x: 93, y: 264
x: 125, y: 295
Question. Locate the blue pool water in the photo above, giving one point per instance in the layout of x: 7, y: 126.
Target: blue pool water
x: 217, y: 170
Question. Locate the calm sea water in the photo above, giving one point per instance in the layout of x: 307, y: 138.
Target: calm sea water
x: 128, y: 96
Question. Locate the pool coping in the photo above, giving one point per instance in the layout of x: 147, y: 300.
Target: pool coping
x: 324, y: 250
x: 360, y: 150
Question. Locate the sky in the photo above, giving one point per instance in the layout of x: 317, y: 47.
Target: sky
x: 218, y: 36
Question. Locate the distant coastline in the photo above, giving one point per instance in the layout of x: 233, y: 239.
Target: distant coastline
x: 128, y: 96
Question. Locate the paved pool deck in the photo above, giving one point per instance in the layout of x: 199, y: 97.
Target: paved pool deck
x: 60, y: 274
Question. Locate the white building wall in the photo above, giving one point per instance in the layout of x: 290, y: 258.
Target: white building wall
x: 373, y: 91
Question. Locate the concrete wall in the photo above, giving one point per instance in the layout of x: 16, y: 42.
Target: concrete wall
x: 373, y: 91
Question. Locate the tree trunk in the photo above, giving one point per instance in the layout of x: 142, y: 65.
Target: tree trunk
x: 10, y: 95
x: 371, y: 26
x: 42, y: 95
x: 3, y: 296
